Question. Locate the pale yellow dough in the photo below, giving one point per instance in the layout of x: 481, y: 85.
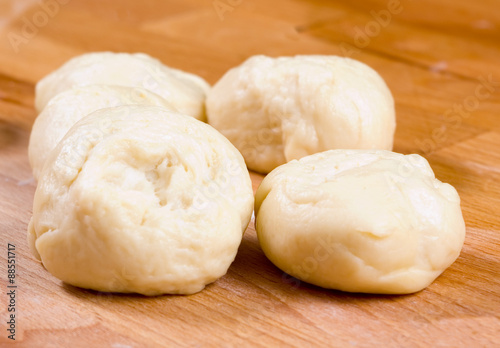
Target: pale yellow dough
x: 278, y: 109
x: 68, y: 107
x: 184, y: 91
x: 360, y: 221
x: 141, y: 199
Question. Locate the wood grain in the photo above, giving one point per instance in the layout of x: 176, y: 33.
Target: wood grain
x: 434, y: 56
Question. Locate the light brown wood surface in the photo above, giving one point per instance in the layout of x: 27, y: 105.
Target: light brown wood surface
x: 434, y: 55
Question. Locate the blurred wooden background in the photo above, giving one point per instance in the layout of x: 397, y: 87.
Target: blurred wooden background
x: 441, y: 61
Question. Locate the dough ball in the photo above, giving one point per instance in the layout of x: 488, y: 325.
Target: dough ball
x: 68, y: 107
x: 186, y: 92
x: 278, y: 109
x: 360, y: 221
x: 140, y: 199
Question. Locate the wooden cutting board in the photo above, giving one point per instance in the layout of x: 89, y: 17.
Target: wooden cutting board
x: 439, y: 57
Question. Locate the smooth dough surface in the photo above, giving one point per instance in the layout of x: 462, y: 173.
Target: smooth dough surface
x: 278, y: 109
x: 140, y: 199
x: 360, y: 221
x: 68, y: 107
x: 184, y: 91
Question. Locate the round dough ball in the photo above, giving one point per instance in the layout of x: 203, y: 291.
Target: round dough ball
x: 186, y: 92
x: 360, y: 221
x: 68, y: 107
x: 140, y: 199
x: 278, y: 109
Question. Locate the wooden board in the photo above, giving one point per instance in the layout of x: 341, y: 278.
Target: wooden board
x: 434, y: 55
